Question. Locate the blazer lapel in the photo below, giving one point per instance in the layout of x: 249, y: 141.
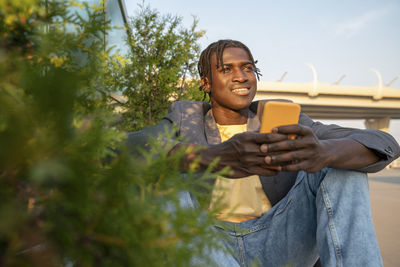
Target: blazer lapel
x: 211, y: 130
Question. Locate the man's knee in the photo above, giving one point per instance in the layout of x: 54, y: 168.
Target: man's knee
x: 346, y: 176
x: 344, y: 184
x: 334, y: 178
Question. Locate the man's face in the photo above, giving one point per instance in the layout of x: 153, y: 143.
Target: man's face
x: 234, y: 84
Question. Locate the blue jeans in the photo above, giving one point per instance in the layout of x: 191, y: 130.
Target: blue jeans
x: 326, y: 214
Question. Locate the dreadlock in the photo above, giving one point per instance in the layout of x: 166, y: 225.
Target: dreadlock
x: 204, y: 64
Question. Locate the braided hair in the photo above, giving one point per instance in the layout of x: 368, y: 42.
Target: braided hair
x: 204, y: 64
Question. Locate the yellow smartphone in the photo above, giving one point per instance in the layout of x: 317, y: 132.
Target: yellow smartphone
x: 278, y: 114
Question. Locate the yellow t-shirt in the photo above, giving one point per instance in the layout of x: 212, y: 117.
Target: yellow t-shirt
x: 238, y: 200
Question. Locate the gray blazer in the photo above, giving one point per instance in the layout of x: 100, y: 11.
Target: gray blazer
x: 194, y: 121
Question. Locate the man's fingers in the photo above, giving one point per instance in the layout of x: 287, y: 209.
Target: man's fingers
x: 267, y: 138
x: 291, y: 156
x: 290, y: 145
x: 285, y: 145
x: 253, y: 160
x: 296, y: 129
x: 294, y: 167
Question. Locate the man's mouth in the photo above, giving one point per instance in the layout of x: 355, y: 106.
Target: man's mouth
x: 241, y: 91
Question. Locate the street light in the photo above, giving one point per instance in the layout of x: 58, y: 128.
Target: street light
x: 340, y: 79
x: 314, y: 91
x: 378, y: 92
x: 392, y: 81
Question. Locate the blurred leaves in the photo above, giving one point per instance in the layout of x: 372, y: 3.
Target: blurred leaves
x: 69, y: 192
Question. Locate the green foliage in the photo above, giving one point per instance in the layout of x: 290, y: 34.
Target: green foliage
x: 66, y: 197
x: 159, y: 68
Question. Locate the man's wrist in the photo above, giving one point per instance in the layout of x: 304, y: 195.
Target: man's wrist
x: 330, y: 154
x: 347, y: 153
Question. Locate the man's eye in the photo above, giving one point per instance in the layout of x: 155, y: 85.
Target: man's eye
x: 249, y: 68
x: 226, y: 69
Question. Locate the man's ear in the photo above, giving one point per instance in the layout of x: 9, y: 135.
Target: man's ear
x: 205, y: 84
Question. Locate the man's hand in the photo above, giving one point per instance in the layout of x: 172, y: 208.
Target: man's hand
x: 306, y: 152
x: 241, y: 153
x: 251, y: 153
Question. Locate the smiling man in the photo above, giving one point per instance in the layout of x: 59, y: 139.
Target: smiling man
x: 315, y: 204
x: 231, y: 85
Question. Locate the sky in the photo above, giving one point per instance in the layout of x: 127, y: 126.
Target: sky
x: 338, y: 37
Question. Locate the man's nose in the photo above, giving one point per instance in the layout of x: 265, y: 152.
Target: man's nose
x: 239, y: 76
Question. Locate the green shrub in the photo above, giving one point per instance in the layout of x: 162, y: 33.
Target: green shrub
x: 66, y: 197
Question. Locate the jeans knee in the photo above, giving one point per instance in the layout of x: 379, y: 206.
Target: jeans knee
x: 336, y: 178
x: 347, y: 175
x: 346, y: 180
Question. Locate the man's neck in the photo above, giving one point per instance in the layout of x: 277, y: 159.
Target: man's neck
x: 230, y: 117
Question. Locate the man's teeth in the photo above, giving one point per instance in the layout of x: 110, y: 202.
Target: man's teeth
x: 240, y: 90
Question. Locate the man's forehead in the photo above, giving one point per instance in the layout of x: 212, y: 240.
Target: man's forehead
x: 232, y: 53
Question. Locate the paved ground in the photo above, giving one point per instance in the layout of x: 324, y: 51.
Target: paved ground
x: 385, y: 203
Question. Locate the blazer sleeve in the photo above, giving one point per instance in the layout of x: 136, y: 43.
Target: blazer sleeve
x: 141, y: 140
x: 166, y: 131
x: 381, y: 143
x: 184, y: 123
